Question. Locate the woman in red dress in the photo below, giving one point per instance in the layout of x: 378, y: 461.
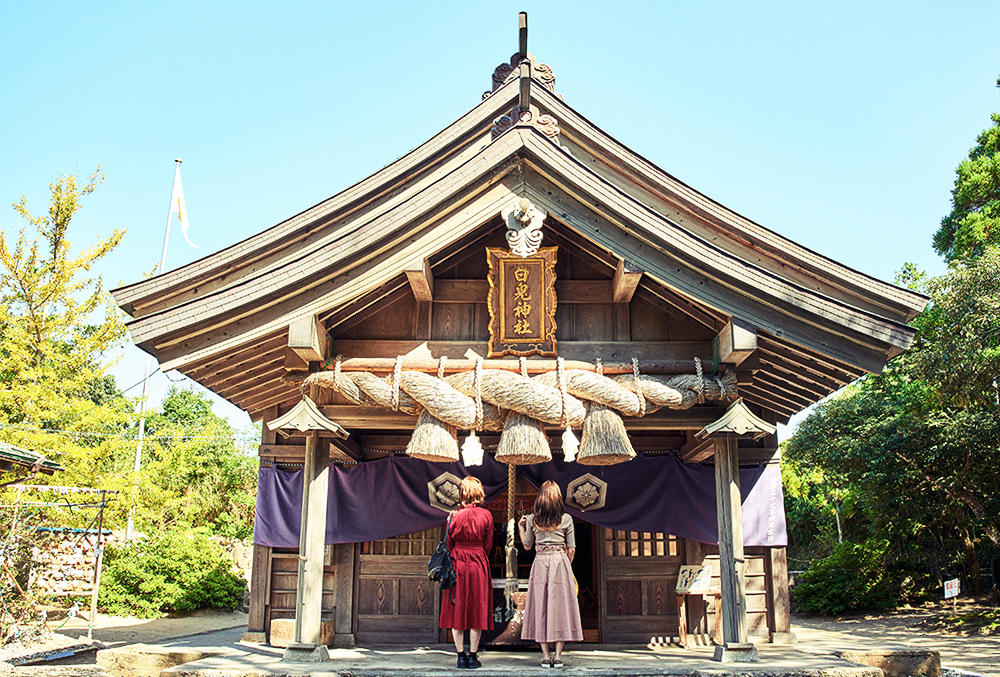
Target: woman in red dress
x: 470, y: 538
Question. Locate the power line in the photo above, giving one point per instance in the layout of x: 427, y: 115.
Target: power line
x: 125, y: 436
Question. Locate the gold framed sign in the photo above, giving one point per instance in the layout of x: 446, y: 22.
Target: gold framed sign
x: 522, y: 302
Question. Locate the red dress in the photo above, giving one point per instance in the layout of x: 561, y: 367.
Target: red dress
x: 470, y: 539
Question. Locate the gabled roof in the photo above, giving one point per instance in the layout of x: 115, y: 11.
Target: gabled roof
x: 222, y: 319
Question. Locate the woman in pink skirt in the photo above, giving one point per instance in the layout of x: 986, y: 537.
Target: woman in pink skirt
x: 551, y: 610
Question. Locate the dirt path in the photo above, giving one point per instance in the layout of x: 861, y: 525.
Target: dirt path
x: 116, y: 630
x: 973, y: 653
x: 976, y: 653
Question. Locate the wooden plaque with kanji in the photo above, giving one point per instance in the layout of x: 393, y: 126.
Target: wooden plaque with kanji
x: 522, y: 302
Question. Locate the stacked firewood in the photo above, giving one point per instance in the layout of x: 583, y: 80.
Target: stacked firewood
x: 64, y: 564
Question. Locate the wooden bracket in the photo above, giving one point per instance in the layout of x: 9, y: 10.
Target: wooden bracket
x: 345, y: 450
x: 625, y: 281
x: 421, y: 281
x: 697, y: 451
x: 308, y: 339
x: 736, y: 342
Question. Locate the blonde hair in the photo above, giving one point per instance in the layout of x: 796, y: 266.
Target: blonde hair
x: 471, y: 491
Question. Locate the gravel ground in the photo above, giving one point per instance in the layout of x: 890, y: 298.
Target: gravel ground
x: 979, y: 654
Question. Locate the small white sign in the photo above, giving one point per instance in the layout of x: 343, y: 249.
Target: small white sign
x: 952, y: 587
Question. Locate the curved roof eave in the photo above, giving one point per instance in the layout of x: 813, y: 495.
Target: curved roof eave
x: 770, y: 290
x: 903, y: 303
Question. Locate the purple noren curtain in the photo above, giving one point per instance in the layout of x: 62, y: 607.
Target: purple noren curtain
x: 391, y: 496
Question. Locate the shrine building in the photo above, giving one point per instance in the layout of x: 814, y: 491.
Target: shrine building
x: 520, y: 298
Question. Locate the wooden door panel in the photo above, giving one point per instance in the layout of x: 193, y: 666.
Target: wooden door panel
x: 416, y: 596
x: 396, y: 603
x: 640, y: 575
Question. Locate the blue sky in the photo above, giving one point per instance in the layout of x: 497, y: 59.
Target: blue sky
x: 838, y: 125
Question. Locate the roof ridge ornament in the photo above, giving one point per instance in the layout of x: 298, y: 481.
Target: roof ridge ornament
x: 524, y: 224
x: 506, y: 72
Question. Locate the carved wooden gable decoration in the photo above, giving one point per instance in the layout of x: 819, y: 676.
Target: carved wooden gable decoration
x: 522, y: 300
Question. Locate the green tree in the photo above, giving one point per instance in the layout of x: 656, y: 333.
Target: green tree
x: 195, y: 469
x: 974, y: 221
x: 921, y: 441
x: 57, y: 323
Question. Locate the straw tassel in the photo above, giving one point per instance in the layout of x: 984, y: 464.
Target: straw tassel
x: 605, y: 440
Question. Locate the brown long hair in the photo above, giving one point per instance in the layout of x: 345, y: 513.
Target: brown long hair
x: 549, y: 507
x: 470, y: 491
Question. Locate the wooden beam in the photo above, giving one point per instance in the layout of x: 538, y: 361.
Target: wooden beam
x: 421, y: 281
x: 625, y: 280
x: 294, y: 362
x: 736, y: 341
x: 233, y: 359
x: 347, y: 316
x: 307, y: 338
x: 280, y: 392
x: 567, y: 291
x: 809, y: 360
x: 281, y: 451
x: 355, y: 417
x: 652, y: 355
x: 757, y: 454
x: 762, y: 397
x: 347, y: 450
x: 697, y: 451
x: 786, y: 383
x: 623, y: 322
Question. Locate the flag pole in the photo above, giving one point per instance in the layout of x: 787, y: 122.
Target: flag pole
x: 129, y: 528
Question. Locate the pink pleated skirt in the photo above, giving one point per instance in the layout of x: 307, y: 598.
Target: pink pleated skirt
x: 551, y: 609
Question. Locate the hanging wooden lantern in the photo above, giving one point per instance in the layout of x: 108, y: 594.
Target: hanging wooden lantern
x: 523, y: 441
x: 605, y: 440
x: 433, y: 440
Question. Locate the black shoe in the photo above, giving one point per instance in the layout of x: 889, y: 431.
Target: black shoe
x: 463, y: 659
x: 472, y: 660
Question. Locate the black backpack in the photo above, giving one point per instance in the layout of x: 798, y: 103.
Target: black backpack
x: 439, y: 566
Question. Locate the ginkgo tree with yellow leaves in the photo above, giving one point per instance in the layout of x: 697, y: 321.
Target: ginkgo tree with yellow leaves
x: 58, y: 325
x: 57, y: 322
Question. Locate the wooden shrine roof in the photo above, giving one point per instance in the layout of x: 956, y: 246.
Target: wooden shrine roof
x: 223, y: 320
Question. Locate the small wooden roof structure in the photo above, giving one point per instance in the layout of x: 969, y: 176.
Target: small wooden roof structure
x: 796, y: 324
x: 13, y: 457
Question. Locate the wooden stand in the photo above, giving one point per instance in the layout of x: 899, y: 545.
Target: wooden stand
x: 682, y: 614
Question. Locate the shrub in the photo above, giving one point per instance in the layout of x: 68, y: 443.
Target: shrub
x: 853, y: 578
x: 178, y: 570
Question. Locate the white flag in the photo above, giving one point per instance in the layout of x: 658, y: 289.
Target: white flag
x: 177, y: 205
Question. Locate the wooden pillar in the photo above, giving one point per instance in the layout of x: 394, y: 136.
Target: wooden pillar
x: 344, y: 595
x: 312, y: 534
x: 735, y: 647
x: 776, y: 568
x: 260, y: 573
